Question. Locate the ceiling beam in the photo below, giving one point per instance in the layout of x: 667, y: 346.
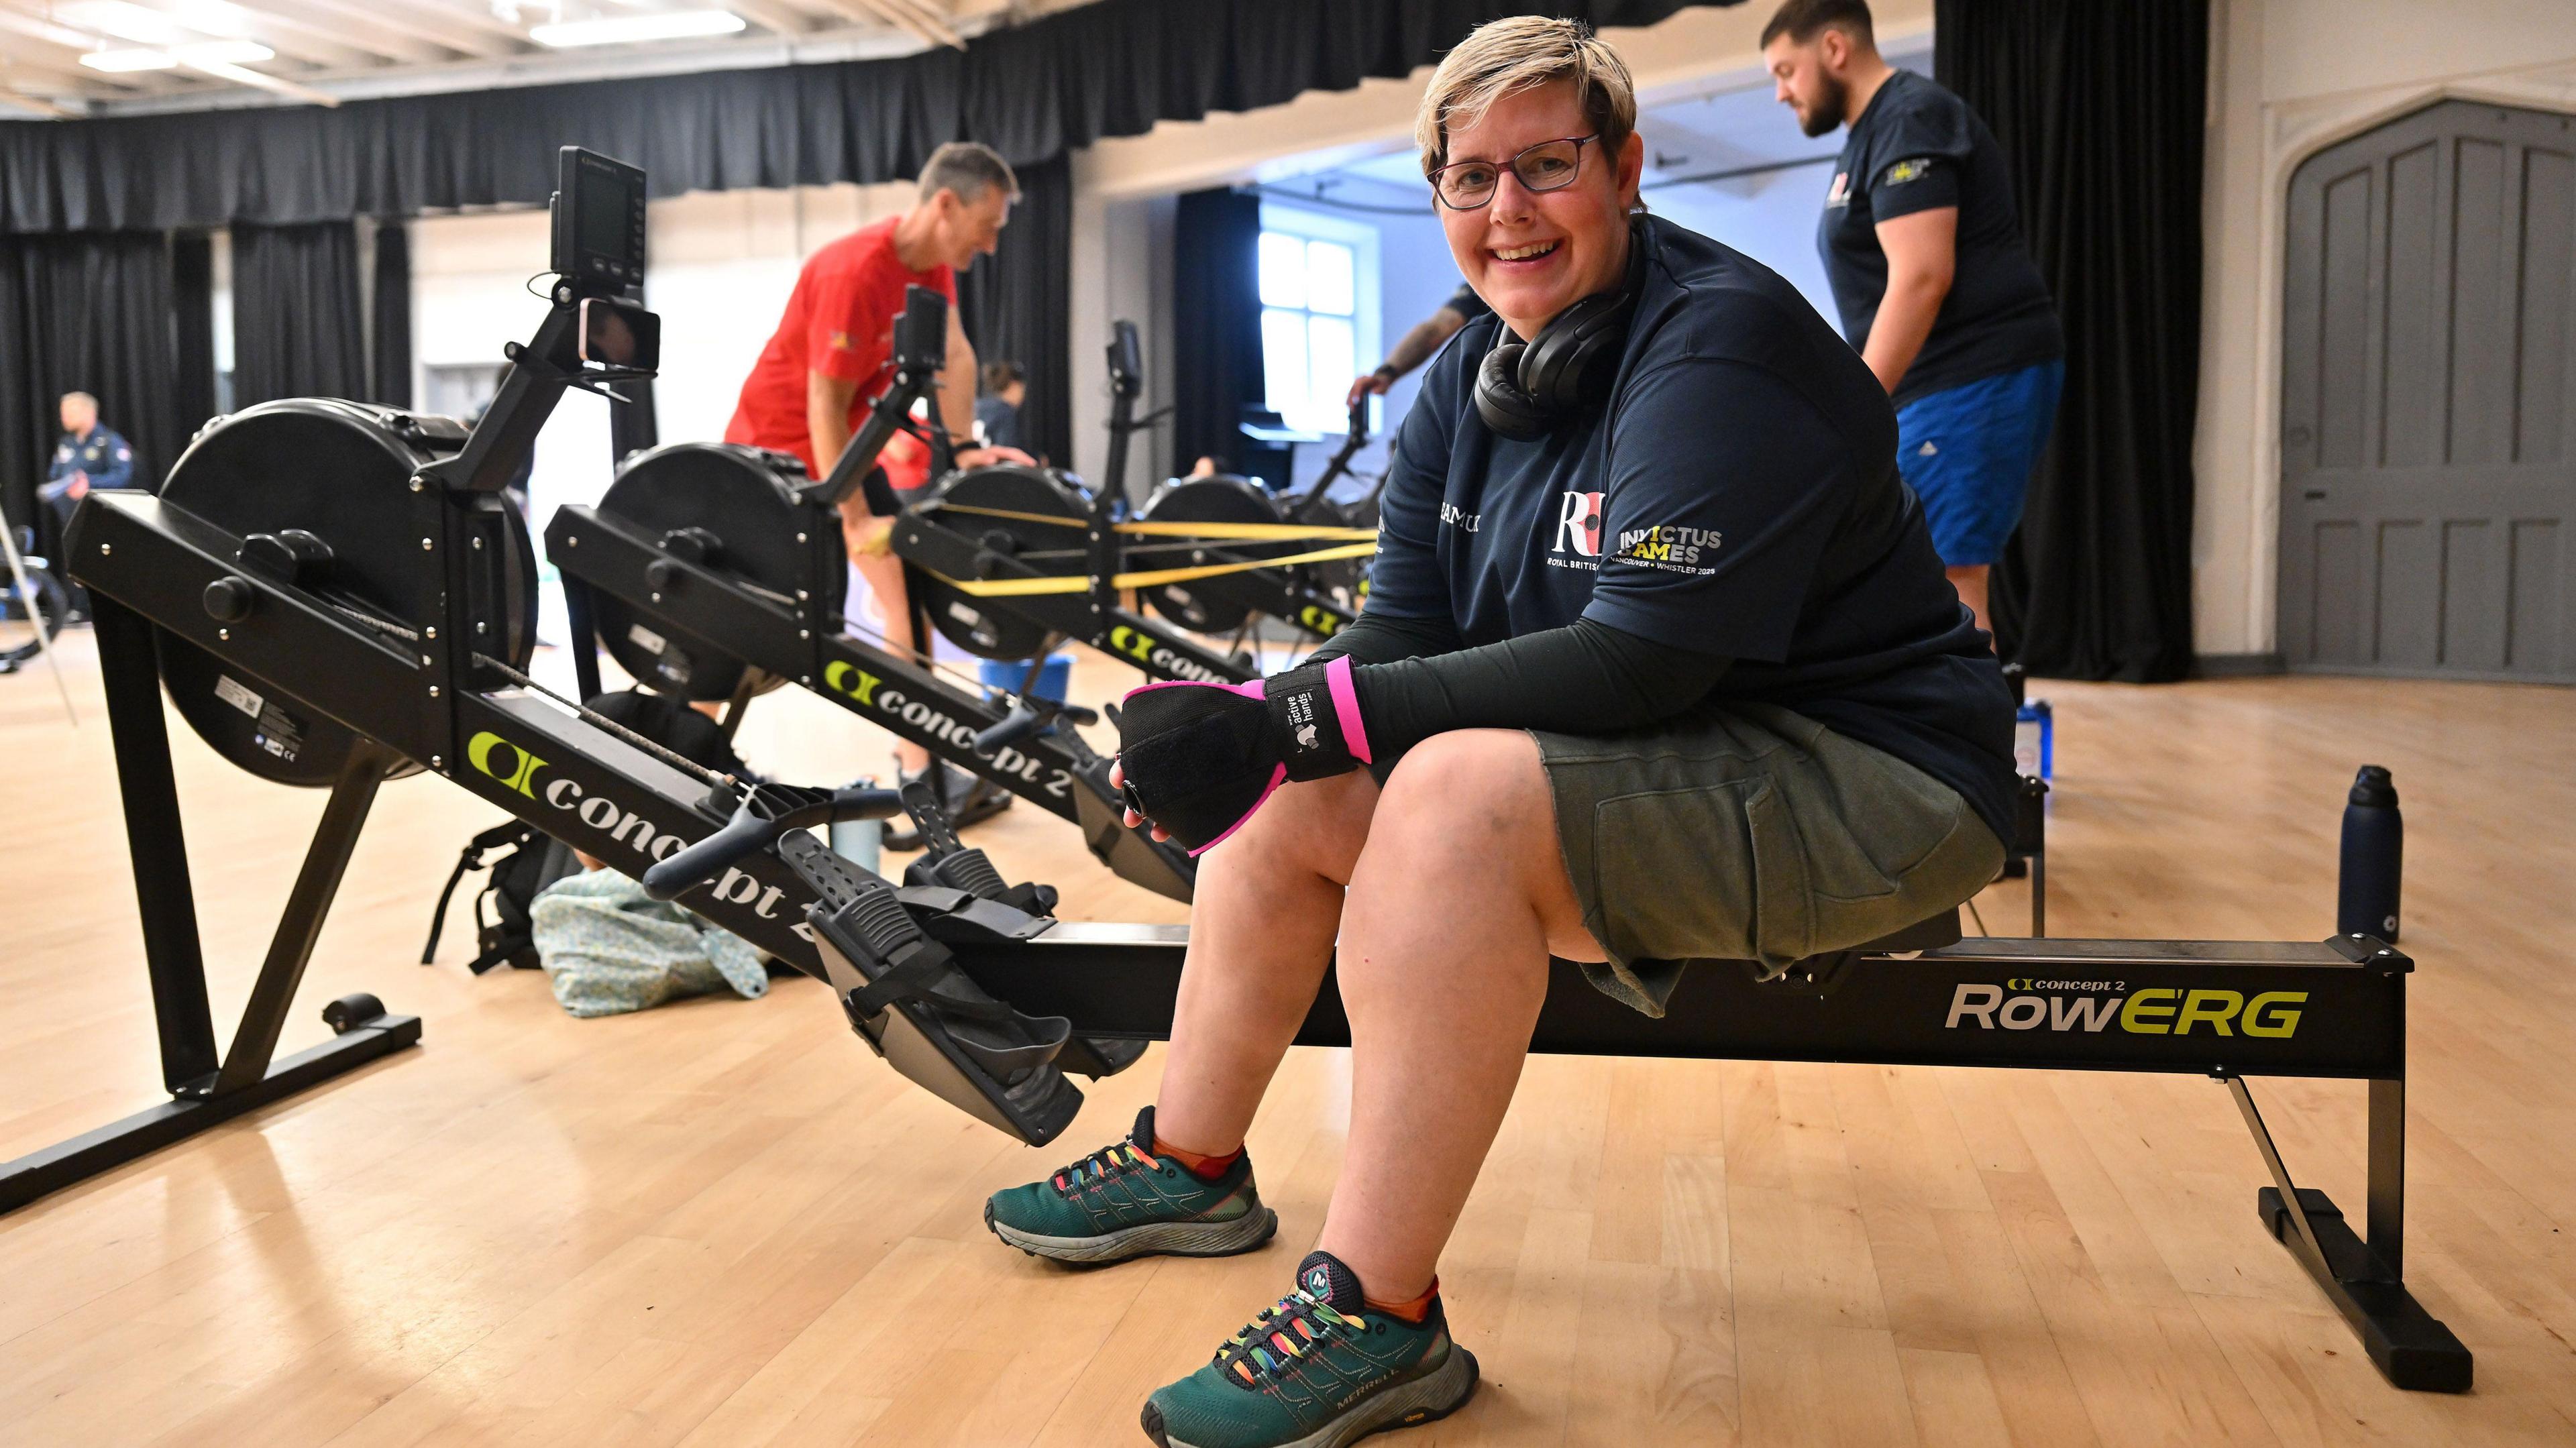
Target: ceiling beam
x: 24, y: 101
x: 777, y: 19
x: 355, y: 37
x: 287, y: 38
x: 476, y: 15
x: 934, y: 19
x: 239, y: 75
x: 431, y: 36
x: 78, y: 42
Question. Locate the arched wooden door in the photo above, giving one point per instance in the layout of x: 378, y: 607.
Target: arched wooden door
x: 2428, y: 400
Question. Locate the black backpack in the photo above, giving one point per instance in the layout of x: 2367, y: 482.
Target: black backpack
x: 535, y: 860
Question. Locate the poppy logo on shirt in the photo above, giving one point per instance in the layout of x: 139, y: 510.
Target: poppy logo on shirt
x: 840, y: 341
x: 1840, y: 195
x: 1578, y: 525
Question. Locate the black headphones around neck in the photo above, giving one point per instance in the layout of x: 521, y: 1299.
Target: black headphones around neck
x: 1523, y: 389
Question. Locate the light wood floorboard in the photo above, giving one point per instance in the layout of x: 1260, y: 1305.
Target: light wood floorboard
x: 725, y: 1223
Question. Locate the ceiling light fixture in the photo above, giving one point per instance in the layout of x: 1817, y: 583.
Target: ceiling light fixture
x: 117, y: 62
x: 669, y: 25
x: 211, y: 52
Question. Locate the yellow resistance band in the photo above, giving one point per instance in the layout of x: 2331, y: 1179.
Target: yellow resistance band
x: 1248, y: 532
x: 1151, y: 578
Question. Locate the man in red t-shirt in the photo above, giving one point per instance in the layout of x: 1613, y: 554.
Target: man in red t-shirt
x: 832, y: 355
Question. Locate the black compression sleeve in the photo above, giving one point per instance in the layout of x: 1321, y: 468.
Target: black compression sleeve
x: 1585, y: 678
x: 1375, y: 639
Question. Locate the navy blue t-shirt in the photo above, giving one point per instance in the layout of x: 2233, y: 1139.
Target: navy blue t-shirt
x: 1738, y: 497
x: 1919, y: 148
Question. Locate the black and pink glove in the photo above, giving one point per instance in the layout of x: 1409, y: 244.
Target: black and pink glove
x: 1198, y: 759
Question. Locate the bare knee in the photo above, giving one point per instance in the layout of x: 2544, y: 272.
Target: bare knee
x: 1315, y: 827
x: 1468, y: 818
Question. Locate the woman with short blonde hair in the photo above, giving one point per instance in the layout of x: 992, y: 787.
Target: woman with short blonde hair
x: 1658, y: 665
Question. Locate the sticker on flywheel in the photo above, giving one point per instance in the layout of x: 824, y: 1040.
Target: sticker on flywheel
x: 231, y: 691
x: 279, y: 733
x: 651, y: 642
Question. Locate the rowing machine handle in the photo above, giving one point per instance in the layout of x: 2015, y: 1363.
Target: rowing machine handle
x: 1024, y: 721
x: 769, y: 811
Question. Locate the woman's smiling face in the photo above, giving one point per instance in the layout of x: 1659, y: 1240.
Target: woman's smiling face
x: 1531, y: 254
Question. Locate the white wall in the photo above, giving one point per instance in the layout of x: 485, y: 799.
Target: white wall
x: 2288, y: 78
x: 1770, y: 218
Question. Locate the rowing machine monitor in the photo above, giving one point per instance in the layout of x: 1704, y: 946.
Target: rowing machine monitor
x: 920, y: 350
x: 598, y: 223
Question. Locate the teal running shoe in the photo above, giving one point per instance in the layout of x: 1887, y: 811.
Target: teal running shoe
x: 1316, y: 1370
x: 1123, y: 1201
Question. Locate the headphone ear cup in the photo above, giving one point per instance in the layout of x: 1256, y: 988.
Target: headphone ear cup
x: 1507, y: 410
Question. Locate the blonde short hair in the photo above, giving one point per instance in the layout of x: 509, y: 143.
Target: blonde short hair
x: 1523, y: 52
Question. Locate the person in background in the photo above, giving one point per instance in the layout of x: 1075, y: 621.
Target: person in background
x: 833, y: 355
x: 1923, y: 249
x: 89, y: 455
x: 997, y: 412
x: 1416, y: 347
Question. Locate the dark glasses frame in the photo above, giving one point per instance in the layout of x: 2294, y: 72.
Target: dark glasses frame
x: 1440, y: 194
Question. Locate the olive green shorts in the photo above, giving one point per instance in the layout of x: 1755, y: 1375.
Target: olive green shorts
x: 1748, y: 832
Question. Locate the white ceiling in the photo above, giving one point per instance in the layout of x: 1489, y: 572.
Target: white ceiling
x: 324, y: 51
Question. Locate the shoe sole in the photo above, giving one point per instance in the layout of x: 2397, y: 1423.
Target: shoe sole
x: 1165, y: 1239
x: 1427, y: 1399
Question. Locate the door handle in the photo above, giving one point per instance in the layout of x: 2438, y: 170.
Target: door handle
x: 2315, y: 495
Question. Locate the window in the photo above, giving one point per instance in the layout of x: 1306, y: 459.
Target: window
x: 1310, y: 328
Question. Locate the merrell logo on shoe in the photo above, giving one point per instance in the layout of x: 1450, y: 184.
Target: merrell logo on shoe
x: 1320, y: 1282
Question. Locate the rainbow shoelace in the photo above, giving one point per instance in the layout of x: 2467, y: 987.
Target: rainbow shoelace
x: 1264, y: 1348
x: 1110, y: 1161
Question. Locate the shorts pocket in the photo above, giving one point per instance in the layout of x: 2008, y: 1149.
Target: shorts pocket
x: 1708, y: 873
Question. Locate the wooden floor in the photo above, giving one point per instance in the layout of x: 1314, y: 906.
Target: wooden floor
x: 726, y: 1223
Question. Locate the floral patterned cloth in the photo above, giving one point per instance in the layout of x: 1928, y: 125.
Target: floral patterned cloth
x: 609, y: 948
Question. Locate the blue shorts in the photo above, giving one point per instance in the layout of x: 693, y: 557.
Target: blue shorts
x: 1968, y: 451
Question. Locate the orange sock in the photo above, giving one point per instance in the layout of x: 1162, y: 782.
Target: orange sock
x: 1201, y: 1165
x: 1411, y: 1309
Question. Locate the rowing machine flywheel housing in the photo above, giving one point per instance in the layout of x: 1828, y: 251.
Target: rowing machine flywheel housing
x: 340, y: 472
x: 979, y: 502
x: 735, y: 509
x: 1222, y: 498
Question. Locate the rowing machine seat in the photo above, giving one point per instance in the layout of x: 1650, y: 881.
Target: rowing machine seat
x: 1929, y: 933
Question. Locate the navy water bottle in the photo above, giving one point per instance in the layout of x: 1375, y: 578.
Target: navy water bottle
x: 2374, y: 857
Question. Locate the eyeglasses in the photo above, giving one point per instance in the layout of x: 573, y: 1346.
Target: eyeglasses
x: 1547, y: 166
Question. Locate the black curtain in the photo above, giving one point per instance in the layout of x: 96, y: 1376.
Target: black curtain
x: 390, y: 367
x: 295, y: 313
x: 88, y: 314
x: 1033, y: 91
x: 1014, y: 309
x: 192, y: 327
x: 1216, y: 323
x: 2099, y: 108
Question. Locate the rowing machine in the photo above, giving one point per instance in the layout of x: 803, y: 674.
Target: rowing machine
x: 1924, y: 996
x: 982, y: 548
x: 713, y: 571
x: 337, y: 594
